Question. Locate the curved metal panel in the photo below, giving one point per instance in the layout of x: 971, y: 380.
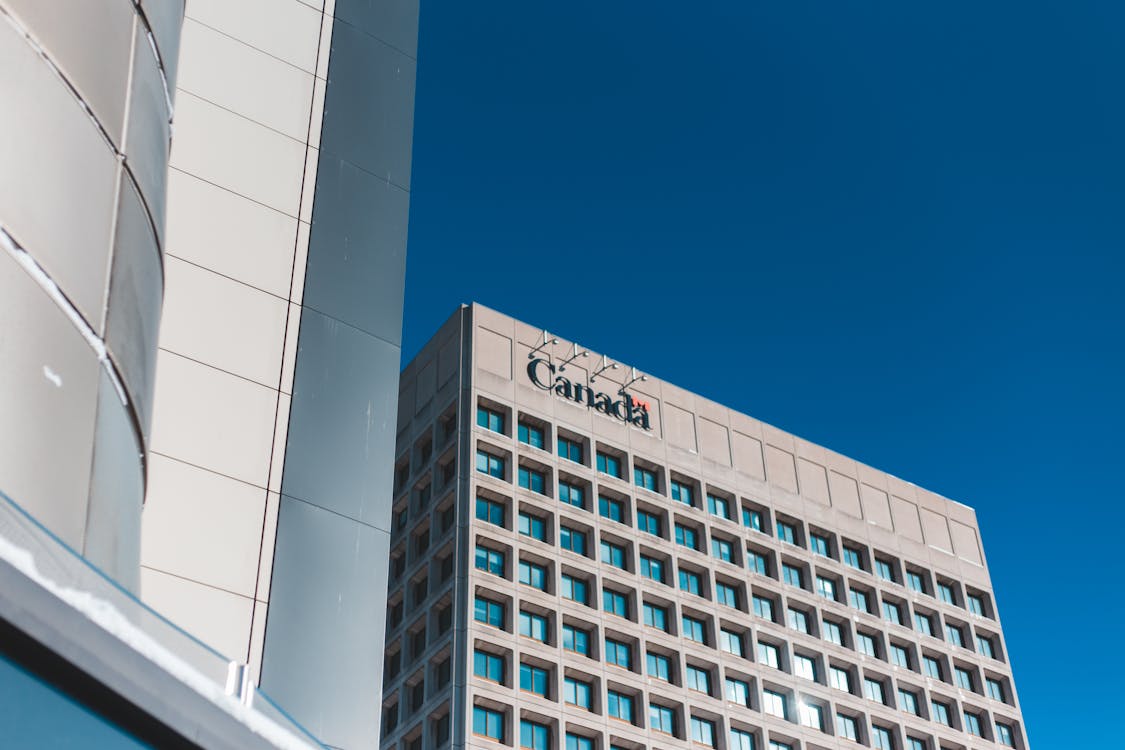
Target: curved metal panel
x: 146, y: 140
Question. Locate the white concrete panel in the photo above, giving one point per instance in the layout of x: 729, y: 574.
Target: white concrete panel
x: 232, y: 235
x: 237, y: 154
x: 222, y: 322
x: 245, y: 80
x: 218, y: 618
x: 291, y: 33
x: 203, y: 526
x: 213, y: 419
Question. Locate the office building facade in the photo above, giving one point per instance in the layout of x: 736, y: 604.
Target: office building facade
x: 586, y: 559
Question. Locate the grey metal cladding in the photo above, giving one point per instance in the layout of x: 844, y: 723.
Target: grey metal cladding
x: 91, y: 42
x: 342, y: 420
x: 392, y: 21
x: 47, y: 405
x: 357, y: 249
x: 146, y: 146
x: 135, y: 291
x: 60, y: 176
x: 117, y: 488
x: 369, y: 105
x: 165, y: 17
x: 327, y: 608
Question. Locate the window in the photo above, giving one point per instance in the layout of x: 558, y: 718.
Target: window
x: 652, y: 568
x: 859, y: 600
x: 985, y: 647
x: 661, y: 718
x: 489, y: 464
x: 698, y: 679
x: 995, y: 689
x: 490, y: 511
x: 798, y: 620
x: 656, y: 617
x: 853, y: 558
x: 908, y: 701
x: 846, y: 726
x: 804, y: 666
x: 1004, y: 735
x: 915, y: 582
x: 900, y: 656
x: 791, y: 574
x: 533, y: 480
x: 881, y: 738
x: 618, y: 653
x: 612, y: 509
x: 779, y: 745
x: 884, y: 570
x: 533, y: 526
x: 488, y: 723
x: 569, y: 449
x: 722, y: 549
x: 578, y: 693
x: 953, y: 633
x: 819, y: 544
x: 489, y: 419
x: 763, y: 607
x: 572, y: 495
x: 913, y: 743
x: 573, y: 540
x: 892, y: 613
x: 939, y: 712
x: 718, y: 506
x: 534, y: 736
x: 531, y: 435
x: 972, y: 723
x: 769, y: 654
x: 608, y: 464
x: 490, y: 560
x: 658, y: 666
x: 488, y: 666
x: 833, y: 633
x: 751, y: 519
x: 686, y: 536
x: 865, y: 644
x: 694, y: 629
x: 840, y: 679
x: 975, y: 603
x: 786, y: 532
x: 945, y: 593
x: 577, y: 742
x: 703, y: 731
x: 615, y: 602
x: 533, y: 575
x: 757, y: 562
x: 923, y: 623
x: 533, y: 626
x: 575, y: 589
x: 826, y: 587
x: 648, y: 522
x: 619, y: 706
x: 963, y: 678
x: 740, y: 740
x: 737, y: 691
x: 726, y: 594
x: 773, y: 703
x: 681, y: 493
x: 873, y: 690
x: 487, y: 611
x: 613, y: 554
x: 533, y: 679
x: 644, y: 478
x: 932, y: 667
x: 691, y: 582
x: 730, y: 642
x: 811, y: 715
x: 576, y: 639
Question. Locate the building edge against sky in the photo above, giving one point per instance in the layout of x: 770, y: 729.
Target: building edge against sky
x: 880, y: 617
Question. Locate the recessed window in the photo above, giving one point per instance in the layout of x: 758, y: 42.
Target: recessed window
x: 656, y: 617
x: 488, y: 611
x: 569, y: 449
x: 619, y: 706
x: 819, y: 544
x: 774, y: 704
x: 613, y: 554
x: 737, y: 691
x: 833, y: 632
x: 687, y: 536
x: 826, y: 587
x: 572, y: 494
x: 787, y: 532
x: 488, y: 666
x: 534, y: 736
x: 532, y: 479
x: 915, y: 582
x: 873, y: 690
x: 490, y: 419
x: 661, y: 718
x: 531, y: 435
x: 892, y: 613
x: 804, y: 666
x: 779, y: 745
x: 757, y: 562
x: 490, y: 560
x: 726, y: 594
x: 490, y: 511
x: 694, y: 629
x: 612, y: 509
x: 578, y: 693
x: 533, y: 679
x: 652, y: 568
x: 932, y: 667
x: 533, y: 575
x: 791, y: 574
x: 751, y: 518
x: 769, y: 655
x: 859, y: 599
x: 741, y: 740
x: 697, y: 679
x: 972, y: 723
x: 945, y: 592
x: 915, y: 743
x: 995, y: 689
x: 847, y: 727
x: 718, y: 506
x: 985, y: 646
x: 488, y: 723
x: 533, y: 526
x: 731, y: 642
x: 812, y: 715
x: 881, y: 738
x: 576, y: 639
x: 681, y: 493
x: 1005, y: 735
x: 658, y: 666
x: 975, y: 604
x: 798, y: 620
x: 963, y: 678
x: 533, y: 626
x: 649, y: 522
x: 865, y: 644
x: 578, y: 742
x: 691, y: 582
x: 618, y: 653
x: 608, y: 464
x: 722, y: 549
x: 839, y: 679
x: 853, y: 557
x: 908, y: 702
x: 615, y: 603
x: 573, y: 540
x: 900, y: 657
x: 885, y: 570
x: 923, y: 623
x: 763, y: 607
x: 954, y: 635
x: 489, y: 464
x: 703, y: 731
x: 939, y: 712
x: 644, y: 478
x: 575, y: 589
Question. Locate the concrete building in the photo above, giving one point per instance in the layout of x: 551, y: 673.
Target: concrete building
x: 584, y: 558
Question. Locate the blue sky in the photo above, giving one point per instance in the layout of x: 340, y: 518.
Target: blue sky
x: 894, y: 229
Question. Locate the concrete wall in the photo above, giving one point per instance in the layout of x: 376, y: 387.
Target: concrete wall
x: 84, y: 145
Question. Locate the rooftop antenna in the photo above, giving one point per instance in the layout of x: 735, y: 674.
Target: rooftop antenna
x: 575, y: 352
x: 605, y: 365
x: 547, y: 339
x: 634, y: 377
